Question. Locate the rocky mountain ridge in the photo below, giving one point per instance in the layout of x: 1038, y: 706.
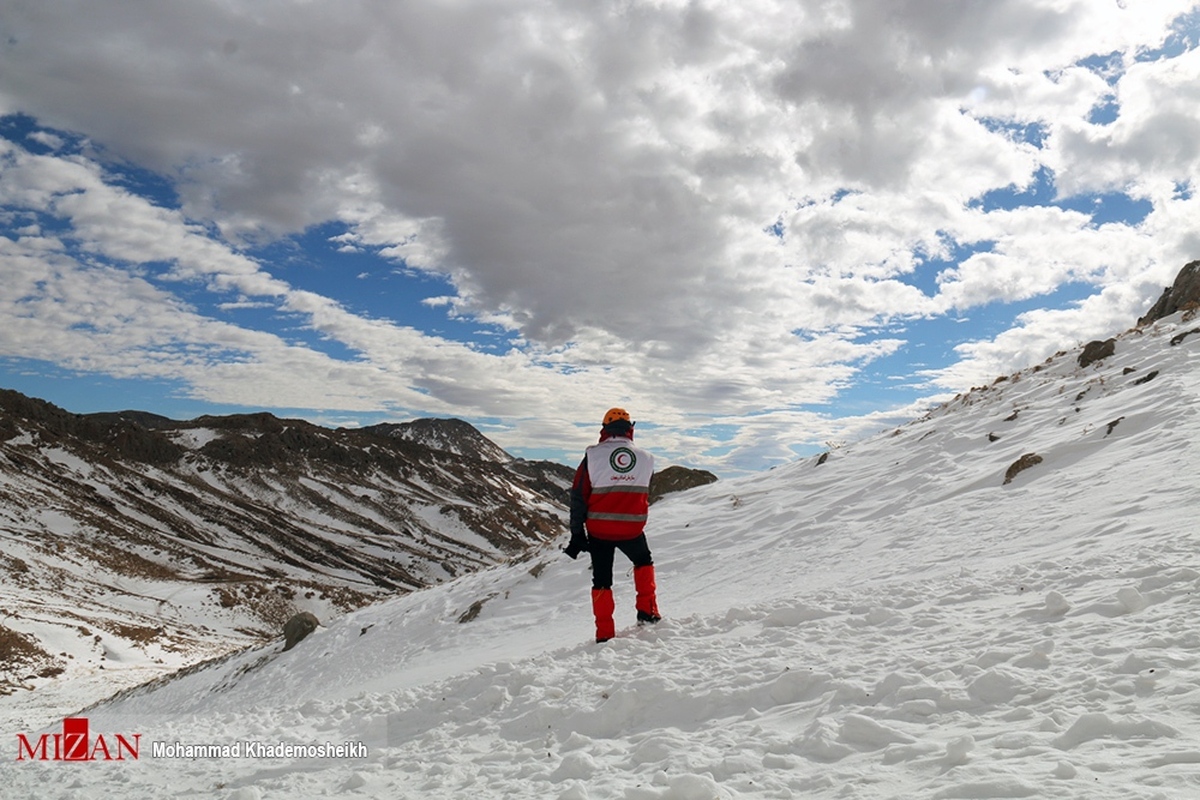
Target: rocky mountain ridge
x: 136, y: 544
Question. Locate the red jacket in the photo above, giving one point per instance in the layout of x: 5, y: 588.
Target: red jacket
x: 610, y: 497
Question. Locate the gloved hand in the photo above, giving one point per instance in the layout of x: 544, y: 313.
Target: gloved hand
x: 578, y: 544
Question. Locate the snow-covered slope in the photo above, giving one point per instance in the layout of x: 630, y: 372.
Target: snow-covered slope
x: 893, y: 620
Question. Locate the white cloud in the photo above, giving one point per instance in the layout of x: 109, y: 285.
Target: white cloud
x: 600, y: 180
x: 1157, y: 132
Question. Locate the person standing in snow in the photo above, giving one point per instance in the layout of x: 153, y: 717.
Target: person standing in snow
x: 610, y: 499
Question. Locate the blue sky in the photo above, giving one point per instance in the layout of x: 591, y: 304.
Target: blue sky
x: 763, y: 227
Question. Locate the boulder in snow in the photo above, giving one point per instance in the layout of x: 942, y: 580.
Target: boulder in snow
x: 1097, y: 351
x: 299, y: 626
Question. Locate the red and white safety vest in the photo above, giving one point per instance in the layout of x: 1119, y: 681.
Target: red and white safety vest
x: 619, y: 473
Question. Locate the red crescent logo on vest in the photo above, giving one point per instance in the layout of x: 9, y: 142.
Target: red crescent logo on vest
x: 622, y: 460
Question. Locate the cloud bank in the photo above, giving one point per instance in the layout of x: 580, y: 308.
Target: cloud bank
x: 717, y: 213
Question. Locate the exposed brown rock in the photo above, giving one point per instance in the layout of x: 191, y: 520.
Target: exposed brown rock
x: 1183, y: 294
x: 1020, y: 465
x: 1096, y: 351
x: 1179, y: 338
x: 678, y: 479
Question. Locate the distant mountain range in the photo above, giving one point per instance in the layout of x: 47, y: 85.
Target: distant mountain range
x: 138, y: 543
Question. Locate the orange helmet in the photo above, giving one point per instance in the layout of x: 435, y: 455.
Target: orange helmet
x: 615, y: 414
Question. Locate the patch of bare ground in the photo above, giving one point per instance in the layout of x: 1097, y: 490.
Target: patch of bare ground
x: 22, y: 660
x: 274, y: 603
x: 122, y: 561
x: 141, y: 634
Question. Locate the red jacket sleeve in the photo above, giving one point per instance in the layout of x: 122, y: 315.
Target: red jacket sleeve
x: 581, y: 490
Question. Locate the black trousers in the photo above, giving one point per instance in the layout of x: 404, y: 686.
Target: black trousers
x: 602, y: 550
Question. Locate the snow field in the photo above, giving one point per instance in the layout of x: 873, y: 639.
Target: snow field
x: 972, y: 687
x: 848, y: 698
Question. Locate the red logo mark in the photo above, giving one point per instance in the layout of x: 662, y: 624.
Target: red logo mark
x: 76, y: 743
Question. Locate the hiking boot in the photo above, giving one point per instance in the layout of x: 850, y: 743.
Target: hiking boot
x: 646, y: 618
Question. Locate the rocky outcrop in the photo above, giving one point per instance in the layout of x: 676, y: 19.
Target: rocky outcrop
x: 1182, y: 295
x: 678, y: 479
x: 1097, y: 351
